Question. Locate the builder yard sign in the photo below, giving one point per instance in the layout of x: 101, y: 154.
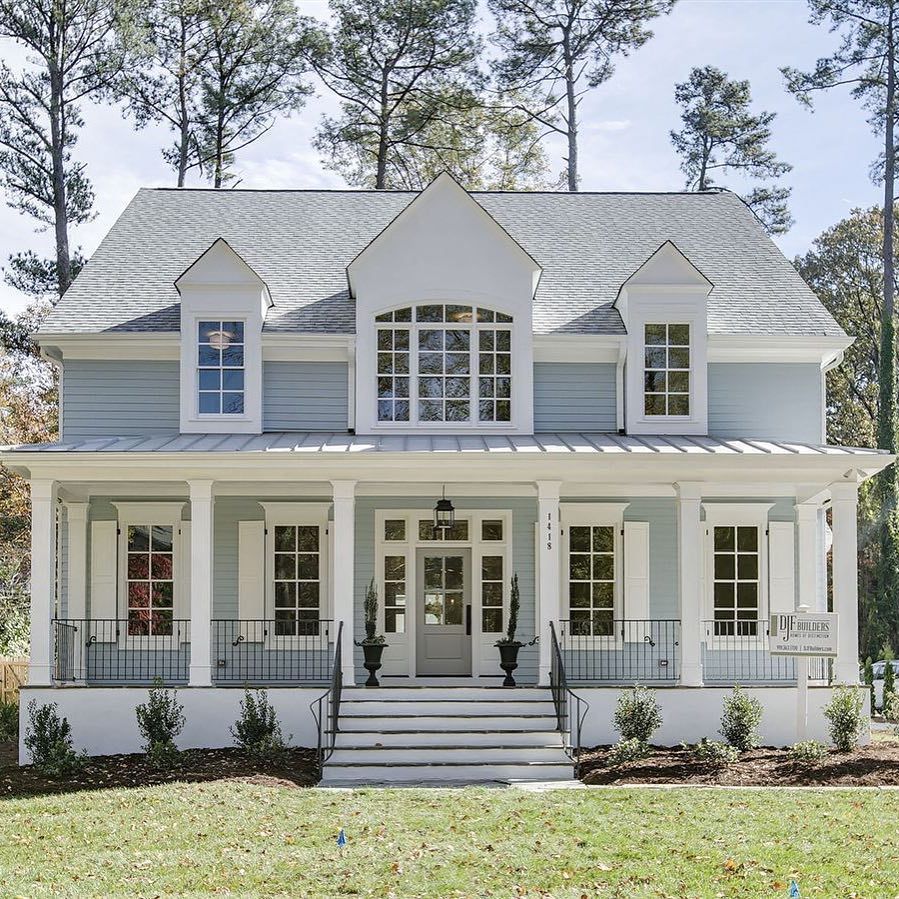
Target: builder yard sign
x: 803, y: 634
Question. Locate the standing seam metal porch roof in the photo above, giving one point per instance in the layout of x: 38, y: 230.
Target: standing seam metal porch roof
x: 300, y: 242
x: 293, y: 442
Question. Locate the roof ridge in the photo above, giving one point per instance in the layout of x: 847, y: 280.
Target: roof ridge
x: 372, y: 192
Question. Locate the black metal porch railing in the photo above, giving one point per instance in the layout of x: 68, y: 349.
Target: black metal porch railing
x: 261, y: 651
x: 135, y: 650
x: 621, y: 651
x: 569, y: 722
x: 326, y: 709
x: 736, y: 652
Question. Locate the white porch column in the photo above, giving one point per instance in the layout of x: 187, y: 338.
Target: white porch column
x: 201, y: 571
x: 845, y: 578
x: 76, y: 572
x: 345, y: 571
x: 807, y: 553
x: 43, y: 579
x: 548, y: 565
x: 689, y: 547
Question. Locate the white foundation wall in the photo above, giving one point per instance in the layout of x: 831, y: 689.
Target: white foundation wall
x: 104, y: 722
x: 689, y: 713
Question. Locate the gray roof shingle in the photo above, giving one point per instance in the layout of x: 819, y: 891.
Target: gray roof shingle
x: 300, y: 242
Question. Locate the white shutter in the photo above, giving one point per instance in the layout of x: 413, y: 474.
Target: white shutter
x: 104, y: 580
x: 781, y: 566
x: 182, y: 588
x: 251, y: 577
x: 636, y: 578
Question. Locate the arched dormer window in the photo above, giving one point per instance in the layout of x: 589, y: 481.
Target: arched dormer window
x: 442, y: 363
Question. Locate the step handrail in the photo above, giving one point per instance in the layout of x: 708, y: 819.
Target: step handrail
x: 327, y: 735
x: 569, y: 727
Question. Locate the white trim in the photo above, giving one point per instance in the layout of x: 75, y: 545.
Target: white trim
x: 777, y: 348
x: 138, y: 512
x: 737, y: 513
x: 578, y: 347
x: 277, y: 512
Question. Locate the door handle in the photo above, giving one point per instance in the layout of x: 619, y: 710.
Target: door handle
x: 468, y: 620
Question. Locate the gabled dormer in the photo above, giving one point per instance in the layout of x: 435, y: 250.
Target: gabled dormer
x: 223, y: 307
x: 444, y: 308
x: 664, y: 309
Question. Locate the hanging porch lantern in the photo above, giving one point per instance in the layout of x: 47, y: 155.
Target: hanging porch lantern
x: 444, y: 514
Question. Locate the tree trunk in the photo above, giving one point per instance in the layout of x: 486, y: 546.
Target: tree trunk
x: 184, y: 130
x: 57, y: 151
x: 219, y: 145
x: 383, y: 127
x: 571, y: 104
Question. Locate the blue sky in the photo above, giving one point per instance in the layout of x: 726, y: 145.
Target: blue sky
x: 624, y: 143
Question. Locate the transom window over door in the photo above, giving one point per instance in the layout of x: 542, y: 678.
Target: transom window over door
x: 666, y: 370
x: 220, y: 368
x: 150, y: 580
x: 444, y: 363
x: 591, y: 580
x: 736, y: 581
x: 297, y: 570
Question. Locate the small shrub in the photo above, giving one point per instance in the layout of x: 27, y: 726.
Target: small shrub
x: 844, y: 712
x: 891, y: 712
x: 160, y: 720
x: 808, y: 752
x: 740, y: 721
x: 889, y: 682
x: 714, y: 753
x: 9, y: 721
x: 638, y: 715
x: 257, y: 730
x: 626, y: 751
x: 49, y: 740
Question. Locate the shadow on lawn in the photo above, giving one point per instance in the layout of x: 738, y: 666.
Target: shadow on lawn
x: 297, y: 768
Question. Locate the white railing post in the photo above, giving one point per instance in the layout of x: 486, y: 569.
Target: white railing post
x: 202, y: 512
x: 344, y: 568
x: 845, y: 578
x: 76, y: 577
x: 689, y: 537
x: 43, y: 580
x: 548, y: 556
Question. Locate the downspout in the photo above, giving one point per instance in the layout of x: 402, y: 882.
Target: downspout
x: 619, y: 386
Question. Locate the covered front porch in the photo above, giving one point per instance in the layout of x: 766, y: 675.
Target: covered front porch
x: 656, y: 561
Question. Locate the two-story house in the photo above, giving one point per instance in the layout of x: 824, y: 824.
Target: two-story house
x: 265, y: 393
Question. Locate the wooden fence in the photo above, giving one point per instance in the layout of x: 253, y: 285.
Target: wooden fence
x: 13, y: 673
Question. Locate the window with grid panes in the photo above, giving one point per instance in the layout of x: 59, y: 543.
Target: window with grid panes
x: 591, y: 580
x: 427, y: 531
x: 666, y: 369
x: 220, y: 368
x: 492, y: 580
x: 736, y: 581
x: 150, y: 580
x: 444, y: 363
x: 297, y: 570
x: 395, y: 594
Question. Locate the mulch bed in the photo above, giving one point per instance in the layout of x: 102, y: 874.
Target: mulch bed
x: 297, y: 768
x: 874, y: 765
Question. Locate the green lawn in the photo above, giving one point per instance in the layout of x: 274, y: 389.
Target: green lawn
x: 239, y: 839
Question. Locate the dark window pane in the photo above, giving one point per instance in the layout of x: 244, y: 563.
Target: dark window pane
x: 603, y: 539
x: 654, y: 404
x: 285, y: 595
x: 603, y: 568
x: 724, y: 539
x: 579, y: 595
x: 307, y: 566
x: 429, y: 313
x: 208, y: 357
x: 285, y: 566
x: 210, y: 404
x: 307, y: 595
x: 162, y: 566
x: 747, y: 539
x: 747, y: 566
x: 394, y: 529
x: 139, y: 595
x: 491, y: 621
x: 138, y: 566
x: 492, y: 568
x: 724, y: 567
x: 307, y: 538
x: 492, y: 530
x: 678, y: 404
x: 232, y: 357
x: 579, y: 539
x: 654, y: 335
x: 232, y: 380
x: 679, y: 335
x: 210, y: 379
x: 394, y: 568
x: 232, y: 403
x: 138, y: 537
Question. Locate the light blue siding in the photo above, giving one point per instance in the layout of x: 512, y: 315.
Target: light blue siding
x: 779, y: 401
x: 574, y: 396
x: 305, y: 396
x: 121, y: 398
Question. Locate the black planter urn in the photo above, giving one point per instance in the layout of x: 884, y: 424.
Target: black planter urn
x: 508, y: 661
x: 373, y: 653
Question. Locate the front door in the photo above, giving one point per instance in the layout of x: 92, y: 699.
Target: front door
x: 443, y: 612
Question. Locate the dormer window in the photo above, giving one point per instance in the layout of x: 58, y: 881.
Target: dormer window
x: 666, y: 372
x: 220, y: 367
x: 444, y: 364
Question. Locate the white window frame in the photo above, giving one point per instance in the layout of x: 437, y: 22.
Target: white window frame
x: 152, y: 514
x: 735, y: 515
x: 302, y: 515
x: 593, y: 515
x: 215, y: 416
x: 522, y: 375
x: 483, y: 660
x: 674, y: 311
x: 667, y: 370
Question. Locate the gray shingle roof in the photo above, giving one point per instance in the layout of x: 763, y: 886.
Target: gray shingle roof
x: 300, y: 242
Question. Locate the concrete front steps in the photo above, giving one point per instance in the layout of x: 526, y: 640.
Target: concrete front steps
x: 453, y: 734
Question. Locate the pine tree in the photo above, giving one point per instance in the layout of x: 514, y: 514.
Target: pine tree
x: 721, y: 134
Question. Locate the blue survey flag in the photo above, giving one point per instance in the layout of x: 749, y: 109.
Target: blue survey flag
x: 341, y: 841
x: 794, y: 890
